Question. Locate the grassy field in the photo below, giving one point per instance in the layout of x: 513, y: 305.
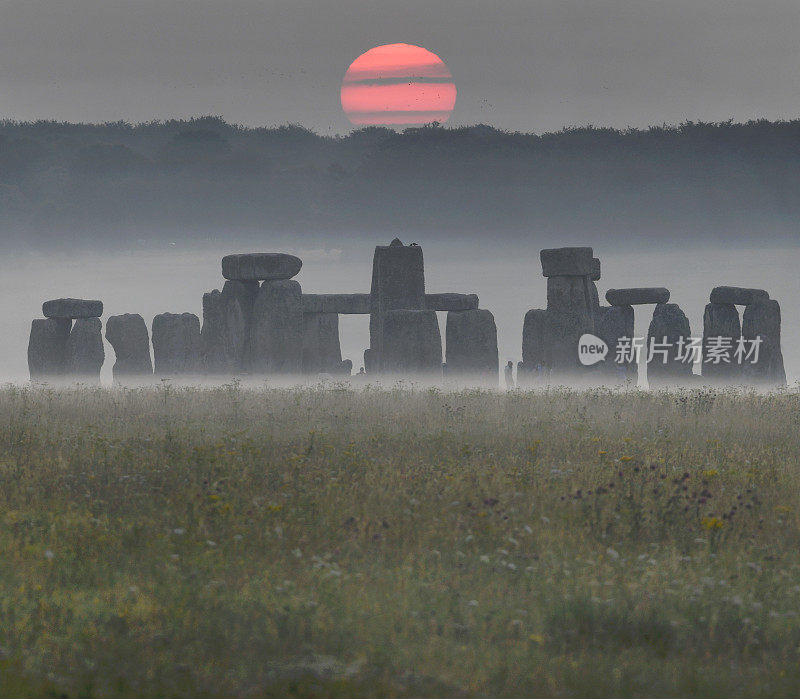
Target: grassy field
x: 185, y: 541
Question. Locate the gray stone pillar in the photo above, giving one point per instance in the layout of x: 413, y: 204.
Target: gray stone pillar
x: 398, y: 282
x: 276, y: 334
x: 570, y: 308
x: 535, y: 336
x: 721, y: 320
x: 669, y: 326
x: 412, y: 343
x: 47, y: 347
x: 321, y: 349
x: 84, y: 354
x: 471, y: 345
x: 176, y: 344
x: 225, y: 337
x: 131, y: 342
x: 762, y: 319
x: 614, y: 323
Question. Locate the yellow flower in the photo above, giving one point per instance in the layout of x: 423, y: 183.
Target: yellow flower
x: 783, y: 509
x: 712, y: 522
x: 710, y: 473
x: 602, y: 452
x: 626, y: 458
x: 537, y: 638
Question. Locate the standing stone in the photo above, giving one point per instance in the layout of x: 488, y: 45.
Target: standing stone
x: 225, y: 337
x: 131, y: 342
x: 471, y: 341
x: 572, y: 295
x: 85, y: 355
x: 47, y: 347
x: 594, y: 299
x: 669, y: 330
x: 213, y: 358
x: 613, y: 324
x: 176, y: 344
x: 721, y: 320
x: 398, y: 282
x: 276, y: 333
x: 412, y: 343
x: 321, y: 349
x: 762, y: 319
x: 563, y: 333
x: 595, y: 274
x: 534, y: 341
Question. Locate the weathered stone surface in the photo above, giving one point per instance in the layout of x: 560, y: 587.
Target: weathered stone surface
x: 762, y: 319
x: 47, y: 347
x: 594, y: 299
x: 260, y: 266
x: 570, y: 295
x: 562, y: 334
x: 128, y: 336
x: 84, y: 355
x: 595, y: 274
x: 669, y: 331
x: 176, y: 344
x: 559, y: 262
x: 336, y: 303
x: 614, y: 323
x: 451, y: 302
x: 276, y: 333
x: 213, y: 358
x: 737, y: 295
x: 370, y: 362
x: 412, y: 343
x: 398, y: 282
x: 534, y: 340
x: 471, y: 344
x: 225, y: 336
x: 321, y: 349
x: 637, y: 296
x: 72, y: 308
x: 721, y: 320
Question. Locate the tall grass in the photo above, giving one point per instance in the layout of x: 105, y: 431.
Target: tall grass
x: 183, y: 541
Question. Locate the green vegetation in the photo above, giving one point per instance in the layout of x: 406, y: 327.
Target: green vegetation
x: 184, y: 541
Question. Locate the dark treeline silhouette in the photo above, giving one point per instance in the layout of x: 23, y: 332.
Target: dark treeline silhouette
x: 201, y: 178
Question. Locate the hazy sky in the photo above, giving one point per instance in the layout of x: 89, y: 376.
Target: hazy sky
x: 531, y: 65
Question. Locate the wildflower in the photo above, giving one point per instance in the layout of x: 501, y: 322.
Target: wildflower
x: 612, y: 553
x: 473, y: 603
x: 49, y: 555
x: 710, y: 473
x: 602, y: 452
x: 712, y: 522
x: 537, y: 638
x: 626, y: 459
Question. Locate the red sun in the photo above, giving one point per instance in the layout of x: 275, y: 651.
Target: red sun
x: 398, y: 85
